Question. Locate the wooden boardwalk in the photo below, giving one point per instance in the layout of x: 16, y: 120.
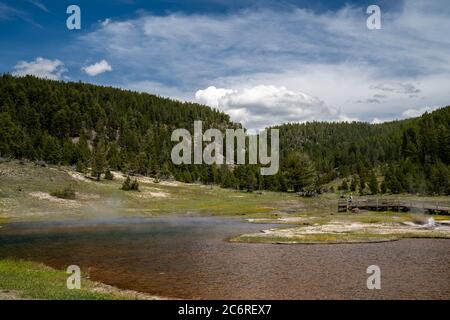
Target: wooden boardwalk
x: 393, y: 205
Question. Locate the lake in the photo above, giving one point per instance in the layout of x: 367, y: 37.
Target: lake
x: 189, y: 257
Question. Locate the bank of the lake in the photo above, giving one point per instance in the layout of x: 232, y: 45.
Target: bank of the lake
x: 25, y: 280
x: 350, y: 229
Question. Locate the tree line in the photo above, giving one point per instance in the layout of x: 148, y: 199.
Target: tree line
x: 411, y: 155
x: 98, y: 129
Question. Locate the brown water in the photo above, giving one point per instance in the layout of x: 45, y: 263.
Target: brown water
x: 188, y: 258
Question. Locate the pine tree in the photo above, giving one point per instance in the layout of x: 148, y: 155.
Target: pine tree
x: 353, y: 184
x: 52, y: 149
x: 80, y: 167
x: 126, y: 185
x: 251, y: 182
x: 109, y: 175
x: 362, y: 184
x: 383, y: 188
x: 135, y: 185
x: 82, y: 151
x: 373, y: 183
x: 344, y: 185
x: 99, y: 161
x: 300, y: 171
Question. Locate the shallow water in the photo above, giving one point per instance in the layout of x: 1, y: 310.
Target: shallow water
x: 188, y: 258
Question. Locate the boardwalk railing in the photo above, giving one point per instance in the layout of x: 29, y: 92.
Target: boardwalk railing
x: 393, y: 205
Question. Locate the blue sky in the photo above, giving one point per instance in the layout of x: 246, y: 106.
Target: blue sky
x: 263, y: 62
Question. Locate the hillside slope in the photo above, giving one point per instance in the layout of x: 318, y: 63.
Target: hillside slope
x: 413, y: 154
x: 106, y: 128
x: 77, y: 123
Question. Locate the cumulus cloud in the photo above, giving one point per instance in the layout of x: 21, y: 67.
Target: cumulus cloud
x: 376, y: 121
x: 410, y: 113
x: 97, y: 68
x: 40, y: 67
x: 212, y: 96
x: 262, y: 106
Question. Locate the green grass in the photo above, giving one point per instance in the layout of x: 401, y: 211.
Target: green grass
x: 325, y: 238
x: 35, y: 281
x: 66, y: 193
x: 23, y: 184
x: 21, y: 181
x: 333, y: 238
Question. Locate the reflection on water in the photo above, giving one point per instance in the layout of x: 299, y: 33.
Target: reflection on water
x: 188, y: 258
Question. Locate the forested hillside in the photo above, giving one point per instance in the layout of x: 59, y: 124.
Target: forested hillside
x: 104, y: 128
x: 99, y: 127
x: 413, y: 155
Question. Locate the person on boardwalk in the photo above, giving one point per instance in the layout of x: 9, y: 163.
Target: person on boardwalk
x: 350, y: 200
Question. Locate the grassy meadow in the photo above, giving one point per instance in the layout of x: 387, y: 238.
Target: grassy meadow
x: 25, y: 193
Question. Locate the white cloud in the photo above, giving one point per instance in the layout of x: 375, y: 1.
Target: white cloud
x: 105, y: 22
x: 376, y: 121
x: 332, y: 56
x: 97, y: 68
x: 212, y: 96
x: 39, y: 4
x: 159, y: 89
x: 8, y: 12
x: 40, y: 67
x: 262, y: 106
x: 410, y: 113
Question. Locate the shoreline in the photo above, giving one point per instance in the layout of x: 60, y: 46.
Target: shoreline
x: 332, y: 232
x: 37, y: 272
x: 343, y: 232
x: 334, y: 243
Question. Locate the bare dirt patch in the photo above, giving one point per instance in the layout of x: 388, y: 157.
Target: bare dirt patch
x: 87, y: 196
x: 10, y: 295
x: 78, y: 176
x: 47, y: 197
x: 118, y: 175
x: 287, y: 220
x: 151, y: 194
x: 169, y: 183
x: 142, y: 179
x: 124, y: 294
